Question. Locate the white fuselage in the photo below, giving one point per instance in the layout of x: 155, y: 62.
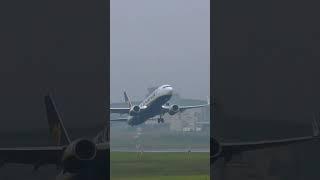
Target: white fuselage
x: 152, y: 105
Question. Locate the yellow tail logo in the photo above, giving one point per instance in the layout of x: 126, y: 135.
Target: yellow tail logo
x: 56, y: 133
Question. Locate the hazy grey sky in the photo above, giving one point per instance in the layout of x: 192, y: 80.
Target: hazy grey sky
x: 156, y: 42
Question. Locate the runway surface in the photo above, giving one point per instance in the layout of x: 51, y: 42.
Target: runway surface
x: 124, y: 149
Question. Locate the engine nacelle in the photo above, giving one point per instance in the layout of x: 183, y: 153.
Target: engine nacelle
x: 77, y: 154
x: 135, y: 110
x: 173, y: 109
x: 215, y: 148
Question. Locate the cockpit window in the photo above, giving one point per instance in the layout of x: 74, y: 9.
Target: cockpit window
x: 166, y: 86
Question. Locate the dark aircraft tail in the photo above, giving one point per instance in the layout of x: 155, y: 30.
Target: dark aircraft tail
x: 56, y: 127
x: 126, y: 99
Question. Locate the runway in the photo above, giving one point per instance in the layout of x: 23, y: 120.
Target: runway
x: 159, y: 150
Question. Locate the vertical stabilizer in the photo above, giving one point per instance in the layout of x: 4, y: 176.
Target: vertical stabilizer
x: 126, y: 99
x: 57, y: 130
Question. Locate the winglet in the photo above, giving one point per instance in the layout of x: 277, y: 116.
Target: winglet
x: 315, y: 125
x: 56, y: 126
x: 126, y: 99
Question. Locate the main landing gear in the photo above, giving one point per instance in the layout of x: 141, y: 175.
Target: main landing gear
x: 160, y: 120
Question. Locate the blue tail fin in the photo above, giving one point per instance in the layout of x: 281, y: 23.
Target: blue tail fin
x: 56, y: 126
x: 126, y: 99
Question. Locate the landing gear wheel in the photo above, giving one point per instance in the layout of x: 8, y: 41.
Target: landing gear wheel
x: 160, y: 120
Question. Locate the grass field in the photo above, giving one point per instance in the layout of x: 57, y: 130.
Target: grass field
x: 159, y: 166
x: 159, y: 140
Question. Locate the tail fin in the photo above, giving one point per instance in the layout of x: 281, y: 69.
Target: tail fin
x: 126, y: 99
x: 57, y: 129
x: 316, y: 125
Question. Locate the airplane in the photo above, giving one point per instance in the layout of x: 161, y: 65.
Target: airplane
x: 79, y: 159
x: 225, y: 150
x: 84, y: 159
x: 155, y: 104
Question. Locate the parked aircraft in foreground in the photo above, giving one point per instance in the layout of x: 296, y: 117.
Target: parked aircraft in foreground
x: 227, y: 150
x: 80, y: 159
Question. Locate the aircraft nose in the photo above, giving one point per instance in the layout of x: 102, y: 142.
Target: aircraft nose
x: 169, y: 90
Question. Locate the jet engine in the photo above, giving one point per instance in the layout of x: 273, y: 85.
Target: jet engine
x: 215, y: 149
x: 78, y: 154
x: 173, y: 109
x: 134, y: 110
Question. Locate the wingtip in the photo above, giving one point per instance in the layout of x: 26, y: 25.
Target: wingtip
x: 47, y: 95
x: 316, y: 124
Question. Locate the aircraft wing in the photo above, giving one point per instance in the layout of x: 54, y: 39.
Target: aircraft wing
x: 120, y: 110
x: 31, y: 155
x: 38, y: 156
x: 183, y: 108
x: 119, y: 120
x: 227, y: 150
x: 249, y: 146
x: 239, y: 147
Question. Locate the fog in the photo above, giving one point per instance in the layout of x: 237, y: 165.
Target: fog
x: 156, y: 42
